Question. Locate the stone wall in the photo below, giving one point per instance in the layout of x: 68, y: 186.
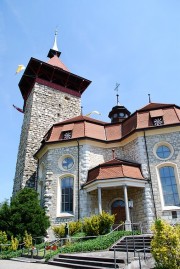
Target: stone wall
x: 173, y: 138
x: 144, y: 207
x: 45, y: 106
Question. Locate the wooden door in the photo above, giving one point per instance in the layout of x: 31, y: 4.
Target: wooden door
x: 118, y: 208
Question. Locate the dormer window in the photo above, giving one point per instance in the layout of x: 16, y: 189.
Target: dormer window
x: 158, y: 121
x: 67, y: 135
x: 157, y: 117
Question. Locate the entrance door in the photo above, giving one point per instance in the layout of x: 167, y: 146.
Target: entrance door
x: 118, y: 209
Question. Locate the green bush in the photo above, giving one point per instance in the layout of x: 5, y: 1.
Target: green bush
x: 59, y: 231
x: 27, y: 239
x: 91, y: 225
x: 3, y: 239
x: 106, y: 222
x: 14, y: 243
x: 74, y: 227
x: 10, y: 254
x: 98, y: 224
x: 166, y: 245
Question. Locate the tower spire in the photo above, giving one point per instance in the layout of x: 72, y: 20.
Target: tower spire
x: 55, y: 47
x: 54, y: 50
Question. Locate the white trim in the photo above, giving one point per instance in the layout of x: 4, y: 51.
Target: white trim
x: 58, y: 204
x: 164, y: 164
x: 163, y: 143
x: 60, y: 160
x: 116, y: 182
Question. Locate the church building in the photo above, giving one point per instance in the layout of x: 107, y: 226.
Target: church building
x: 80, y: 166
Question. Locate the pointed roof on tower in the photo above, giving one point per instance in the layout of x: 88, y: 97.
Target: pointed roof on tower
x: 54, y: 54
x: 53, y: 74
x: 54, y: 50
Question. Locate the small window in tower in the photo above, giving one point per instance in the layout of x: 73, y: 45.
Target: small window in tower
x: 67, y: 135
x: 67, y: 98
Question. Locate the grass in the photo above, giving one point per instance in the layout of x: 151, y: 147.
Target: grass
x: 84, y: 245
x: 78, y: 243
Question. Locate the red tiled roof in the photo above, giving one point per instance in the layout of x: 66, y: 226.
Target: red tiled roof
x: 55, y: 61
x: 86, y: 127
x: 81, y: 118
x: 113, y: 131
x: 115, y: 169
x: 154, y: 106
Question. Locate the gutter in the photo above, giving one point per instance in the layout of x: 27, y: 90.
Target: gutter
x: 78, y: 175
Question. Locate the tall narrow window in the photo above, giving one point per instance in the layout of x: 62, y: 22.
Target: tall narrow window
x: 169, y: 186
x: 67, y: 195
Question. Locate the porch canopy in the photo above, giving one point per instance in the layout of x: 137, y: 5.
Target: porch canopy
x: 115, y: 173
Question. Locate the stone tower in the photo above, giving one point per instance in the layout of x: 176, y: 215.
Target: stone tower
x: 51, y: 94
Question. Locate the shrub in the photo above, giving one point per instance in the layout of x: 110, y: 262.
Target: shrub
x: 98, y: 224
x: 27, y: 240
x: 106, y: 222
x: 74, y: 227
x: 14, y: 243
x: 166, y: 245
x: 59, y: 231
x: 3, y: 239
x: 91, y: 225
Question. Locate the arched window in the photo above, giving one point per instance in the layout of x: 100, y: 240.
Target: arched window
x: 171, y: 196
x: 67, y: 194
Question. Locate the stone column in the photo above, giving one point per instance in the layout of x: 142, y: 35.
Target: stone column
x: 99, y: 201
x: 127, y: 222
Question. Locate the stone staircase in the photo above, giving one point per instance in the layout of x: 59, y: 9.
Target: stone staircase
x: 133, y: 243
x: 85, y: 261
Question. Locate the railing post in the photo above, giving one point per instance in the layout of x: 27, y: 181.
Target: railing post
x: 127, y: 251
x: 139, y: 260
x: 114, y: 258
x: 144, y: 248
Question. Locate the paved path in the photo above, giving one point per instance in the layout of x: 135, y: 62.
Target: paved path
x: 9, y: 264
x: 28, y: 263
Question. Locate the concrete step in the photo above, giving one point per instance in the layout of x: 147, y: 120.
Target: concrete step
x: 77, y: 257
x: 77, y: 261
x: 133, y: 242
x: 84, y: 266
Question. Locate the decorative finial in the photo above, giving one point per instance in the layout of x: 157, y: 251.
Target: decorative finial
x: 149, y: 97
x: 55, y: 47
x: 117, y: 89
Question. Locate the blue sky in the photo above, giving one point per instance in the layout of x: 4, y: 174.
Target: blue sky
x: 134, y: 43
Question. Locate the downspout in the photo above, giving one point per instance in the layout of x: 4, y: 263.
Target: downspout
x: 36, y: 176
x: 78, y: 177
x: 149, y: 171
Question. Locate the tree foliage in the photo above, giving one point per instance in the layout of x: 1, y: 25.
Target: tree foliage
x: 23, y: 214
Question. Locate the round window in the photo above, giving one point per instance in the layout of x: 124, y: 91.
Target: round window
x: 163, y: 152
x: 67, y: 163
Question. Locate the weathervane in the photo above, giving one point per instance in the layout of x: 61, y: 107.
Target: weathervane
x: 117, y: 89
